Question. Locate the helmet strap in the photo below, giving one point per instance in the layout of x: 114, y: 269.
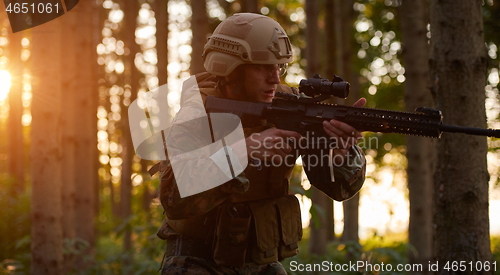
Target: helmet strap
x: 238, y: 87
x: 238, y: 83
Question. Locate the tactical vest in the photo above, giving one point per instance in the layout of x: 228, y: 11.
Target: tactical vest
x: 261, y: 225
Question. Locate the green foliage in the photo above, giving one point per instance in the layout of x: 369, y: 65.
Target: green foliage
x: 317, y: 214
x: 375, y: 252
x: 145, y: 257
x: 15, y: 226
x: 11, y: 267
x: 378, y: 48
x: 495, y: 250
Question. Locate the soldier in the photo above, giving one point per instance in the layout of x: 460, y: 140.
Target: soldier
x: 251, y: 222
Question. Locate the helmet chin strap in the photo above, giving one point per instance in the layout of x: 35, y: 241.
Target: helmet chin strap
x: 238, y: 83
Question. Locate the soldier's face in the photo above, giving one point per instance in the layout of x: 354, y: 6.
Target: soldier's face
x: 261, y: 81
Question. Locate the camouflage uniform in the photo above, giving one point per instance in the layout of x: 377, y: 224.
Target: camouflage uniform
x: 250, y: 222
x: 199, y: 266
x: 348, y: 180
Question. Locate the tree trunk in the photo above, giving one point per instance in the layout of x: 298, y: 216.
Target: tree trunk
x: 160, y: 8
x: 312, y: 41
x: 338, y: 39
x: 46, y: 212
x: 85, y: 97
x: 351, y: 220
x: 328, y: 46
x: 68, y: 134
x: 414, y: 17
x: 458, y: 75
x: 199, y: 26
x: 329, y: 70
x: 250, y: 6
x: 126, y: 199
x: 161, y: 13
x: 319, y: 234
x: 343, y: 22
x: 226, y: 6
x: 132, y: 78
x: 96, y: 73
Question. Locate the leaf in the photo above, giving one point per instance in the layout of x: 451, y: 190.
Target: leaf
x: 317, y: 214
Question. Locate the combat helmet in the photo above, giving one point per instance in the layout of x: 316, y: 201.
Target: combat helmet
x: 246, y: 38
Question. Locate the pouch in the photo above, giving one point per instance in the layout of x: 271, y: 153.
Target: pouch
x: 265, y: 248
x: 291, y: 226
x: 231, y: 238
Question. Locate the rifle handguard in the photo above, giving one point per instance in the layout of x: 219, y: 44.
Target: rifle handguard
x: 301, y: 115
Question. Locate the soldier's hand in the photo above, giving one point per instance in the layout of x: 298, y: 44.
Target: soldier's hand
x: 270, y: 142
x: 344, y: 134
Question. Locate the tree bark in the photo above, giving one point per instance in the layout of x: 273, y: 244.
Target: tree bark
x: 68, y: 134
x: 161, y: 14
x: 328, y: 45
x: 414, y: 17
x: 199, y: 26
x: 343, y: 33
x: 132, y: 78
x: 85, y: 98
x: 250, y: 6
x: 160, y: 8
x: 319, y: 234
x: 458, y: 75
x: 46, y: 212
x: 351, y: 220
x: 312, y: 41
x: 329, y: 69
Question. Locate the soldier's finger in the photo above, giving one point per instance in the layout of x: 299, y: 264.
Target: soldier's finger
x: 330, y: 132
x: 344, y: 129
x: 337, y: 129
x: 287, y: 149
x: 278, y: 155
x: 289, y: 134
x: 360, y: 103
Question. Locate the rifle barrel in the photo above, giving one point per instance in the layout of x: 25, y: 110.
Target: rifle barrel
x: 470, y: 130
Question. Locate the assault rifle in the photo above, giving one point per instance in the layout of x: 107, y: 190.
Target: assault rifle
x: 306, y: 114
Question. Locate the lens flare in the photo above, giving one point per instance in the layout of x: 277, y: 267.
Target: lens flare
x: 4, y: 84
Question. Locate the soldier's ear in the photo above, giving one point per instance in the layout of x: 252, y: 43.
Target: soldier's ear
x: 235, y: 74
x: 234, y: 81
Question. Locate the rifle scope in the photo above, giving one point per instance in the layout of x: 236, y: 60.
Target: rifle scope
x: 322, y: 86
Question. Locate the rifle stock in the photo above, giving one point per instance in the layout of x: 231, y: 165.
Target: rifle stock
x: 303, y: 115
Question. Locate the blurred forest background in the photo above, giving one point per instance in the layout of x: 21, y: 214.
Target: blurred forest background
x: 75, y: 199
